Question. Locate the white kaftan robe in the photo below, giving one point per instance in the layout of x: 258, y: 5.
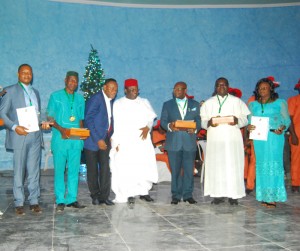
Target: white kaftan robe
x: 133, y: 167
x: 224, y: 158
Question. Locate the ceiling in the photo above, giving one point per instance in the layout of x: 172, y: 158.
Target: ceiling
x: 188, y: 3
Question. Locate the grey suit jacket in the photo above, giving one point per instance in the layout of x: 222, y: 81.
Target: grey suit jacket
x: 180, y: 140
x: 11, y: 101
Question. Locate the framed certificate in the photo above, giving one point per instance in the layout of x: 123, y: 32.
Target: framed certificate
x: 261, y: 128
x: 28, y: 118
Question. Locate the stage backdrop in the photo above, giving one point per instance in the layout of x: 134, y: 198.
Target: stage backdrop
x: 157, y: 46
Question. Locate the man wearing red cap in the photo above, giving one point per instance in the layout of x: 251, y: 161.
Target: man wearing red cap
x: 133, y: 163
x: 294, y: 110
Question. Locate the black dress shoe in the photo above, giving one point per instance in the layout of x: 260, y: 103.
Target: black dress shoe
x: 175, y: 201
x: 76, y: 205
x: 60, y: 207
x: 131, y: 200
x: 233, y: 201
x: 146, y: 198
x: 295, y: 189
x: 95, y: 201
x: 248, y: 191
x: 190, y: 200
x: 106, y: 202
x: 217, y: 201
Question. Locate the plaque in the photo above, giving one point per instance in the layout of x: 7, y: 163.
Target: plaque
x: 222, y: 120
x: 185, y: 124
x: 78, y: 133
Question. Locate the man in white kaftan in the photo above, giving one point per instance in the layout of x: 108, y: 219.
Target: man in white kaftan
x: 133, y: 162
x: 224, y: 159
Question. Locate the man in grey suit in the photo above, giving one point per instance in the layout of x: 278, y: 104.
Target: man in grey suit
x: 181, y: 144
x: 26, y: 145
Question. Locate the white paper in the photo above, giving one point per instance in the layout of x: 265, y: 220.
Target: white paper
x: 28, y: 118
x: 261, y: 128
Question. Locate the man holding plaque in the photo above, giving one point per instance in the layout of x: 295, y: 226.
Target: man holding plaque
x: 99, y: 120
x: 66, y: 108
x: 26, y: 144
x: 223, y: 115
x: 180, y: 117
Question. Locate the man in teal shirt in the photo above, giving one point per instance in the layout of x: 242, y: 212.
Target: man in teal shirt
x: 66, y: 108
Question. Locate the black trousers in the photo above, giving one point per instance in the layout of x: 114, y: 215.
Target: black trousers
x: 98, y: 172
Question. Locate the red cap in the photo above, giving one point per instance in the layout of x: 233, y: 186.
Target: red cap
x: 189, y: 97
x: 235, y: 92
x: 276, y: 84
x: 130, y: 82
x: 297, y: 86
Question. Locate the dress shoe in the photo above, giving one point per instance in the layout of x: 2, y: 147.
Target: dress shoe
x: 248, y: 191
x: 175, y: 201
x: 146, y: 198
x: 60, y: 208
x: 233, y: 201
x: 190, y: 200
x: 76, y: 205
x: 35, y: 208
x: 295, y: 189
x: 20, y: 211
x: 106, y: 202
x: 131, y: 200
x: 217, y: 201
x: 95, y: 201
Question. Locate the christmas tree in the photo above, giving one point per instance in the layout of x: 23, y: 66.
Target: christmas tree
x: 93, y: 79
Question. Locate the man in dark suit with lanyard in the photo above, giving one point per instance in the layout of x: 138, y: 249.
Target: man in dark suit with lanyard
x: 99, y: 120
x: 181, y: 144
x: 25, y: 145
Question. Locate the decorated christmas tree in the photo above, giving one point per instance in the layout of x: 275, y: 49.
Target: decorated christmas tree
x: 93, y: 78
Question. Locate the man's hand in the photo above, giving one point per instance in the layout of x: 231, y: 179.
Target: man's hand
x: 172, y: 127
x: 144, y: 133
x: 235, y: 122
x: 21, y: 130
x: 47, y: 125
x: 64, y: 133
x: 209, y: 123
x: 102, y: 145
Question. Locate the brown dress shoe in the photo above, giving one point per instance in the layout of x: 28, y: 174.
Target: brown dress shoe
x: 20, y: 210
x: 35, y: 208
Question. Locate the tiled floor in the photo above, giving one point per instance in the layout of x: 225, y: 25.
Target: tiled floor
x: 148, y: 226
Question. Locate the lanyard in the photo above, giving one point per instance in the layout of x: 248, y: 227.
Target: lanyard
x: 221, y: 104
x: 70, y: 101
x: 30, y: 102
x: 182, y: 109
x: 262, y: 105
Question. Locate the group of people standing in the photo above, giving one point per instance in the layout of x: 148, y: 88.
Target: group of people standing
x: 119, y: 153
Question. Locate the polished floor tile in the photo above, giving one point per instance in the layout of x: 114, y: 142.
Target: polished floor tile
x: 152, y: 226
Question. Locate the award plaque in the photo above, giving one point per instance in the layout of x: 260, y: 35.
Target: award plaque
x: 222, y: 120
x: 78, y: 133
x: 185, y: 124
